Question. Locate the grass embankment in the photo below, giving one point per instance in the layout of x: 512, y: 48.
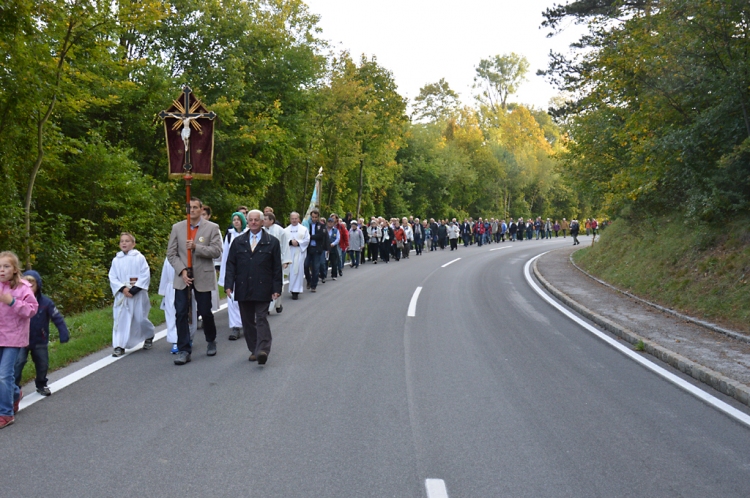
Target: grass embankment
x: 700, y: 269
x: 89, y: 332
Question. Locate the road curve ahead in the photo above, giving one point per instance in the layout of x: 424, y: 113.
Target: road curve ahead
x: 473, y: 386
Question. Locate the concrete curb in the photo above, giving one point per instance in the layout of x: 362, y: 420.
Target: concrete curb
x: 711, y: 326
x: 720, y: 382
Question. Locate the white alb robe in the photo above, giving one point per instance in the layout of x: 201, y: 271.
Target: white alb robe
x: 131, y: 324
x: 297, y: 256
x: 233, y: 307
x: 278, y: 232
x: 166, y: 290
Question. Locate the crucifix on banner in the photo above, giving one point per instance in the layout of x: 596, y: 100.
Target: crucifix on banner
x: 189, y: 130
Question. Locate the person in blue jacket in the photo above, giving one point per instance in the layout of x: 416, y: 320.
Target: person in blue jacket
x: 39, y: 335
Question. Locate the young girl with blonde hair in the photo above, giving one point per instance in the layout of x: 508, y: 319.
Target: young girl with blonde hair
x: 17, y: 306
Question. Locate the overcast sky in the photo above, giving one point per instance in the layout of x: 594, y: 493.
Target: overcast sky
x: 421, y: 41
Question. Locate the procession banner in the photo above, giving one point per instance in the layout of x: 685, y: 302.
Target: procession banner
x: 201, y: 139
x: 315, y: 199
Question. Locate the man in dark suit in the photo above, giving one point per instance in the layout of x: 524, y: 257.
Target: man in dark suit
x: 316, y: 250
x: 253, y: 275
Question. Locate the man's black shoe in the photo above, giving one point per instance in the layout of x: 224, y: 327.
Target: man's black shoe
x: 262, y: 358
x: 211, y: 348
x: 295, y: 296
x: 279, y: 309
x: 148, y: 344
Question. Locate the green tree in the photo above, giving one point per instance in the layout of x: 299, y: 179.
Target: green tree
x: 661, y: 118
x: 498, y: 77
x: 436, y: 102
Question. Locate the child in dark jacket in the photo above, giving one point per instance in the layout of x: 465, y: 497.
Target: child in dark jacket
x: 39, y: 335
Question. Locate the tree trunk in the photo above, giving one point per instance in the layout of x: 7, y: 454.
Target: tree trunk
x: 361, y: 183
x: 32, y: 178
x: 67, y: 43
x: 307, y: 175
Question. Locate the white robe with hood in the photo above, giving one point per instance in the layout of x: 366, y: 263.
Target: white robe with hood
x: 297, y: 255
x: 233, y: 307
x: 166, y: 289
x: 131, y: 324
x: 278, y: 232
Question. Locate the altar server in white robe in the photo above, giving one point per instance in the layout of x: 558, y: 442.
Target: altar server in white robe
x: 299, y: 239
x: 166, y: 290
x: 273, y: 228
x: 239, y: 226
x: 129, y: 278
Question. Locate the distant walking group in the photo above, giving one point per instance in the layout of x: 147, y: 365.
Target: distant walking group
x: 256, y: 258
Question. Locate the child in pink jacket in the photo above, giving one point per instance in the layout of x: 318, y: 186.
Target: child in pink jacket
x: 17, y: 306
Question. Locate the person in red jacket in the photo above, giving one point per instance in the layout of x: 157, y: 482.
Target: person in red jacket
x: 399, y: 239
x: 343, y: 243
x: 479, y: 232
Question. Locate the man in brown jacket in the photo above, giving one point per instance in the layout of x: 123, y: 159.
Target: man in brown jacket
x: 564, y: 226
x: 205, y: 243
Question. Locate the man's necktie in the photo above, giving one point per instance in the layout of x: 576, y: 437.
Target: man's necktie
x: 253, y: 243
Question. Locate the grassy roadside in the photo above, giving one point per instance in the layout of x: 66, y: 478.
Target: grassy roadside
x: 700, y: 269
x: 89, y: 332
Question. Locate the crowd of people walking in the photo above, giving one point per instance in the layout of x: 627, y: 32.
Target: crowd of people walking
x: 256, y: 259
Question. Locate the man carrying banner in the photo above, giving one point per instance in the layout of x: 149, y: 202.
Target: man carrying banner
x: 205, y: 246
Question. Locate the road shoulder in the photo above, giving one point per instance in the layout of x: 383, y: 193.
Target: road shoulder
x: 713, y: 358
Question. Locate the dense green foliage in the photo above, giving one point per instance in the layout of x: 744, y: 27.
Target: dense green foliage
x: 659, y: 116
x: 82, y: 151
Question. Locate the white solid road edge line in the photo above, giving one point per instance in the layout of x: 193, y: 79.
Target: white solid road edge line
x: 450, y: 262
x: 89, y: 369
x: 413, y: 303
x: 669, y: 376
x: 435, y: 488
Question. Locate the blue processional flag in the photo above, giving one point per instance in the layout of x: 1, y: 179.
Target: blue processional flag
x: 315, y: 199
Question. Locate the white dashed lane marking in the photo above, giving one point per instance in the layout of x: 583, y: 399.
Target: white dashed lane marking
x: 435, y: 488
x: 450, y: 262
x: 413, y: 303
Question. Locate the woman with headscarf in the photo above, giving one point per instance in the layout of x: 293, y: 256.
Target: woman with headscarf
x: 239, y: 226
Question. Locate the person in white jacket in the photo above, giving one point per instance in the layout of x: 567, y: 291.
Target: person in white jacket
x: 453, y: 232
x: 409, y: 232
x: 356, y: 243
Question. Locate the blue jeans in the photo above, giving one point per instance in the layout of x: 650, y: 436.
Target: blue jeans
x: 40, y: 357
x: 9, y: 391
x: 312, y: 268
x: 342, y: 258
x: 323, y: 269
x: 354, y: 258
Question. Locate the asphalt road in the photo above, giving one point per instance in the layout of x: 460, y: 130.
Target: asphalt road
x: 487, y: 387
